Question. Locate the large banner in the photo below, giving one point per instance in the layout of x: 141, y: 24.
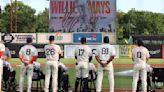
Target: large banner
x: 92, y: 38
x: 17, y: 37
x: 60, y: 38
x: 14, y: 49
x: 149, y: 39
x: 82, y: 15
x: 126, y: 50
x: 70, y: 49
x: 155, y: 51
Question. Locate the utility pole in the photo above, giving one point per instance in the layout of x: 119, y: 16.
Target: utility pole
x: 15, y: 15
x: 11, y: 17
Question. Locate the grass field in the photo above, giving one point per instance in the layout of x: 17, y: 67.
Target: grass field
x: 120, y: 82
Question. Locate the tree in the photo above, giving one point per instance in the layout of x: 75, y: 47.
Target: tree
x: 141, y: 23
x: 26, y: 19
x: 43, y: 21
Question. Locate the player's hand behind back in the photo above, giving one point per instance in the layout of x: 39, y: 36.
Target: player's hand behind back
x: 103, y: 64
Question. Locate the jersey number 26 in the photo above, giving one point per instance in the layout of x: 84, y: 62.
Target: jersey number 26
x: 50, y: 51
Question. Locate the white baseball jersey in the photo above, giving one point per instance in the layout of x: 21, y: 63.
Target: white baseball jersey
x: 36, y: 65
x: 92, y: 66
x: 52, y: 52
x: 62, y: 65
x: 2, y: 47
x: 105, y: 51
x: 140, y: 54
x: 28, y: 51
x: 83, y: 52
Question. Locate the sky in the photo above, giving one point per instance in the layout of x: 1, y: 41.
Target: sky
x: 156, y: 6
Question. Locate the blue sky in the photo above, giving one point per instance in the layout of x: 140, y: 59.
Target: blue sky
x: 123, y: 5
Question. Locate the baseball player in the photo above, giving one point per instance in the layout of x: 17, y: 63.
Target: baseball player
x: 104, y: 55
x: 140, y: 56
x: 37, y: 65
x: 82, y: 53
x: 2, y: 50
x: 6, y: 57
x: 27, y: 54
x: 52, y: 53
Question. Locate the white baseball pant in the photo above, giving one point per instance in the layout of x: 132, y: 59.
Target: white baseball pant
x: 51, y: 67
x: 82, y: 69
x: 100, y: 71
x: 23, y: 70
x: 139, y: 69
x: 1, y: 73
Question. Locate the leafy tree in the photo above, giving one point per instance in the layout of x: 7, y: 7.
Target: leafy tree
x: 141, y: 22
x: 43, y: 21
x: 26, y: 19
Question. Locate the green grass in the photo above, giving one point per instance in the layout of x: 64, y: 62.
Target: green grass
x: 120, y: 82
x: 72, y: 61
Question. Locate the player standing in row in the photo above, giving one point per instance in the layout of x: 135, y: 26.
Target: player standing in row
x: 82, y: 53
x: 140, y: 55
x: 2, y: 51
x: 27, y: 54
x: 52, y: 53
x: 104, y: 55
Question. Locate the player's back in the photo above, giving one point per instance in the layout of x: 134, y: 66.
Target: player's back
x: 83, y: 52
x: 28, y: 51
x: 105, y: 51
x: 140, y: 54
x: 52, y: 52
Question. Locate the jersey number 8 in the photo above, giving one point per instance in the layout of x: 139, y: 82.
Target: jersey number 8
x: 28, y: 51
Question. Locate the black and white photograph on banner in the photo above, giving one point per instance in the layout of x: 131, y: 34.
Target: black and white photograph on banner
x: 82, y: 16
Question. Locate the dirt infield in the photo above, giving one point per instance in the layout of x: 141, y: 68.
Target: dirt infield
x: 123, y: 65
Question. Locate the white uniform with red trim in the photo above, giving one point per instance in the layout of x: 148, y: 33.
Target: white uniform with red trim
x: 52, y: 52
x: 140, y: 55
x: 104, y: 52
x: 27, y: 52
x: 82, y: 52
x: 2, y: 49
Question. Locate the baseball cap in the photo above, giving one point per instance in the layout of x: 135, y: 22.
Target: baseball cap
x: 29, y: 40
x: 106, y: 39
x: 51, y: 38
x: 83, y: 40
x: 140, y: 42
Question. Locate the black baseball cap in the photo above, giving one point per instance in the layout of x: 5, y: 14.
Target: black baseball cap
x: 140, y: 42
x: 51, y: 38
x: 83, y: 40
x: 29, y: 40
x: 106, y: 39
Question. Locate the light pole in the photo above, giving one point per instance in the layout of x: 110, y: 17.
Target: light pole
x: 49, y: 15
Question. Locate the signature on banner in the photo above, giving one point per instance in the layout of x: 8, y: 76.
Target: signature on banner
x: 69, y: 21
